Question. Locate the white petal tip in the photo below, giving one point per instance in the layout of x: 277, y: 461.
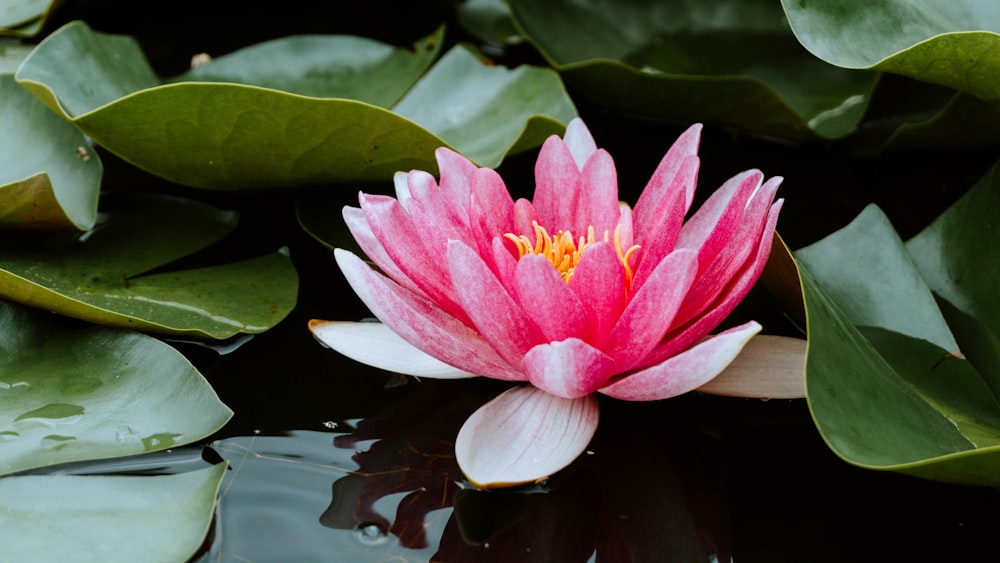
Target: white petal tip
x: 769, y: 367
x: 580, y: 142
x: 523, y: 436
x: 400, y: 182
x: 376, y: 345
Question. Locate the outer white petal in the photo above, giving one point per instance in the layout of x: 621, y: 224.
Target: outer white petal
x: 376, y: 345
x: 523, y: 436
x: 769, y: 367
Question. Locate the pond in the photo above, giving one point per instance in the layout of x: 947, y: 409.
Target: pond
x: 333, y: 460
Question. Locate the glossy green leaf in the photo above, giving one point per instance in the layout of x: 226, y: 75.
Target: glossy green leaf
x: 114, y: 274
x: 955, y: 43
x: 893, y: 295
x: 238, y: 136
x: 50, y: 177
x: 72, y: 394
x: 897, y: 377
x: 957, y: 257
x: 107, y: 519
x: 733, y: 62
x: 486, y: 112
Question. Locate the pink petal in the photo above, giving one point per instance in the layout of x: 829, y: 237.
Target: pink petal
x: 438, y: 214
x: 374, y: 344
x: 557, y: 184
x: 456, y: 173
x: 494, y: 313
x: 491, y: 211
x: 684, y: 336
x: 743, y: 245
x: 713, y: 224
x: 662, y: 183
x: 422, y: 323
x: 599, y: 282
x: 627, y: 231
x: 686, y: 371
x: 546, y: 298
x: 504, y: 263
x: 598, y: 196
x: 494, y: 206
x: 419, y: 184
x: 523, y: 436
x: 649, y: 313
x: 524, y: 215
x: 569, y: 368
x: 432, y: 220
x: 660, y: 236
x: 405, y: 244
x: 357, y: 223
x: 579, y: 141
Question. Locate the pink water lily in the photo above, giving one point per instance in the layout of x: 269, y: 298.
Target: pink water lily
x: 571, y: 292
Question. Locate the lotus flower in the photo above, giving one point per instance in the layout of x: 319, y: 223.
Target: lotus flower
x: 571, y: 293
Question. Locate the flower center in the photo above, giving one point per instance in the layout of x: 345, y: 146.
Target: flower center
x: 564, y: 252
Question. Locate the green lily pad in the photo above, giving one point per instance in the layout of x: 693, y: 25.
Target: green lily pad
x: 50, y: 177
x: 115, y: 274
x: 956, y: 257
x: 955, y: 43
x: 903, y: 364
x: 734, y: 62
x: 25, y: 18
x: 107, y: 518
x: 73, y: 394
x: 231, y: 136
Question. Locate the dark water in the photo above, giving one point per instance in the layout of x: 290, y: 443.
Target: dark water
x: 334, y: 461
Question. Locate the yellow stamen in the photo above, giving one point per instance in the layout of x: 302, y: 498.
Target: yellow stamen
x: 564, y: 253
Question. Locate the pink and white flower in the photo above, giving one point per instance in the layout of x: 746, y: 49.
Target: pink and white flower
x: 571, y: 292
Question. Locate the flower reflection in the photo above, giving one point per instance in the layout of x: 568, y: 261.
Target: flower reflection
x: 632, y: 497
